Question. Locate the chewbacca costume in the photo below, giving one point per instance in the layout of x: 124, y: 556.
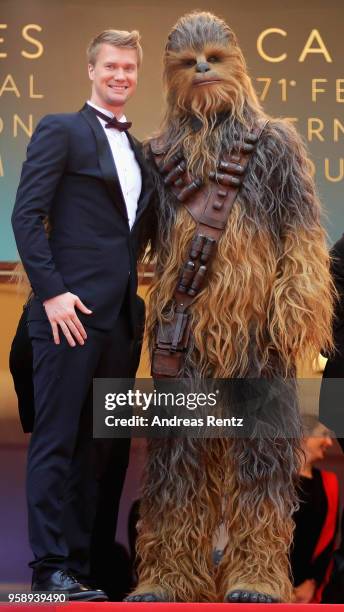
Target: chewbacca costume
x: 265, y: 302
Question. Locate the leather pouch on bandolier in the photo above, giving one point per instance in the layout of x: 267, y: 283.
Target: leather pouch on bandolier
x: 171, y: 343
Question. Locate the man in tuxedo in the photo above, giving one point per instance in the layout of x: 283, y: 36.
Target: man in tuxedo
x: 85, y: 174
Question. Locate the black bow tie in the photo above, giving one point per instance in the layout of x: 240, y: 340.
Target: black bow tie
x: 121, y: 126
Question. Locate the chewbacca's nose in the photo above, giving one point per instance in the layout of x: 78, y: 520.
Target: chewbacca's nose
x: 202, y: 67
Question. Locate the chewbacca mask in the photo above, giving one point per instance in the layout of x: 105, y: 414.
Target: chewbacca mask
x: 203, y: 67
x: 266, y: 303
x: 205, y: 79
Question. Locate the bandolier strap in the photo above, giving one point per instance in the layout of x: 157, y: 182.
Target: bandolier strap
x: 210, y: 205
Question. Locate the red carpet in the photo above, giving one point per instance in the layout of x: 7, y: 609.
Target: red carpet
x: 177, y: 607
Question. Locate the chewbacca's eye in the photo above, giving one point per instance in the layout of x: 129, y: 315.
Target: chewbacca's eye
x: 189, y: 62
x: 213, y: 59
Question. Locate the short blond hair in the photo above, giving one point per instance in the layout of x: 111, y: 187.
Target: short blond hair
x: 117, y: 38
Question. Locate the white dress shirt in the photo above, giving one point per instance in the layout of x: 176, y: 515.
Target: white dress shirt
x: 128, y: 170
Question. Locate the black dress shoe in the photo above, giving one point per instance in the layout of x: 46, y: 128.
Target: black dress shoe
x: 63, y: 581
x: 250, y: 597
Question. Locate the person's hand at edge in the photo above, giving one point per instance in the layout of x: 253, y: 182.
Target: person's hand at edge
x: 304, y: 593
x: 60, y: 311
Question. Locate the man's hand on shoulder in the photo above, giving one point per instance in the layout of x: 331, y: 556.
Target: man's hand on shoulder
x: 60, y: 311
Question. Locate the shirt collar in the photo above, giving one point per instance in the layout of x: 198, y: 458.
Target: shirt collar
x: 105, y: 111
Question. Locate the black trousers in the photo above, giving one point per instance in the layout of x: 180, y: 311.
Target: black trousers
x: 74, y: 483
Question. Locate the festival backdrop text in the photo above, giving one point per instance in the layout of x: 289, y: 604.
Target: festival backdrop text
x: 295, y: 60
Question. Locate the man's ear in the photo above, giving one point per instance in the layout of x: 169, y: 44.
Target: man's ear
x: 90, y: 69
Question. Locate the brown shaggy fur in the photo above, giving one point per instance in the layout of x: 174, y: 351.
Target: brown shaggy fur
x: 267, y: 302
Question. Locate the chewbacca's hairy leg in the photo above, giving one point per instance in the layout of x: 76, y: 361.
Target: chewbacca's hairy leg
x: 261, y: 501
x: 180, y: 511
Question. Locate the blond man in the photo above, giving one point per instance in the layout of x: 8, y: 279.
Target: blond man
x: 84, y: 172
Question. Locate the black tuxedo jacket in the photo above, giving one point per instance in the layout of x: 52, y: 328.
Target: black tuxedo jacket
x: 70, y: 177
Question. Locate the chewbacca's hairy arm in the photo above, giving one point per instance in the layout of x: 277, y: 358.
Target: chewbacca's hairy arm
x: 301, y: 305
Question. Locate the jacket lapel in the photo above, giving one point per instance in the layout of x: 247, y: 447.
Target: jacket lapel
x: 106, y: 162
x: 147, y: 183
